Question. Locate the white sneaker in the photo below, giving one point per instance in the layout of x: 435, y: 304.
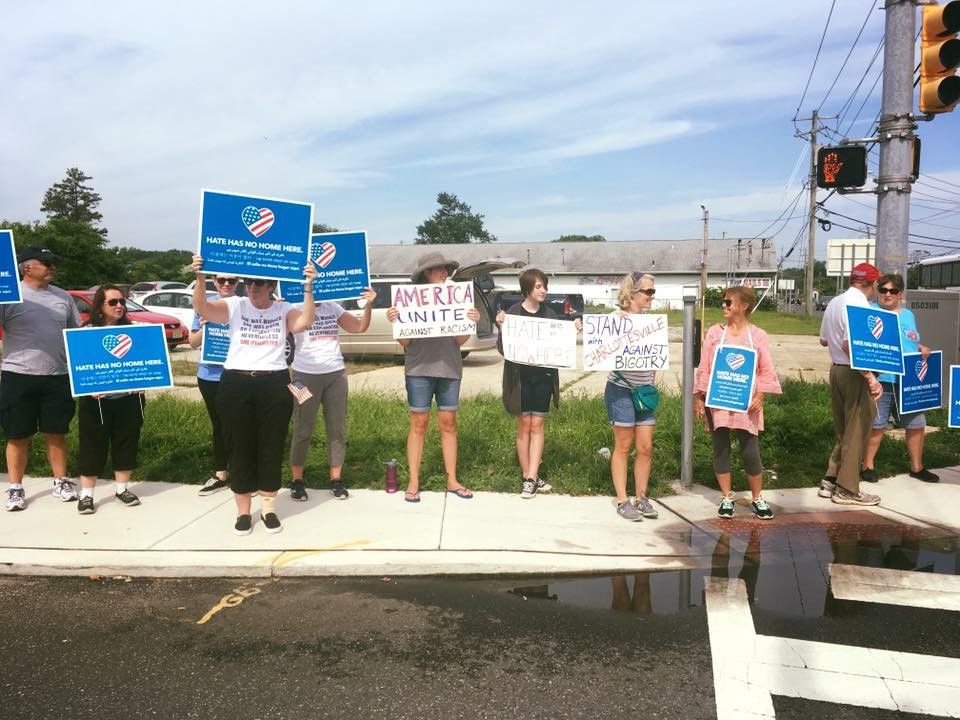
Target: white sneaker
x: 15, y: 500
x: 64, y: 489
x: 528, y: 488
x: 543, y: 486
x: 827, y: 488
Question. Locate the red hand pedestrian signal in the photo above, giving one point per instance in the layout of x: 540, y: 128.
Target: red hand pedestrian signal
x: 842, y: 166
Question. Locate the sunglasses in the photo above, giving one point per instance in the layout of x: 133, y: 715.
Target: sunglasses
x: 113, y: 302
x: 885, y: 290
x: 727, y: 302
x: 258, y: 282
x: 649, y: 292
x: 225, y: 281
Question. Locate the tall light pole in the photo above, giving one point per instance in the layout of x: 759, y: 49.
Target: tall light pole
x: 703, y: 266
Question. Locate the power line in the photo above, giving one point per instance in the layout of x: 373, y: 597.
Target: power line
x: 853, y: 47
x: 815, y: 59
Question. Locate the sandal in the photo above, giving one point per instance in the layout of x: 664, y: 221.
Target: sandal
x: 461, y: 492
x: 411, y: 497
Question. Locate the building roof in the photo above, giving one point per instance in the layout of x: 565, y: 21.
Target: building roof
x: 733, y: 255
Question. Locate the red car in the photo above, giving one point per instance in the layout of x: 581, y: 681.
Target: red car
x: 176, y: 333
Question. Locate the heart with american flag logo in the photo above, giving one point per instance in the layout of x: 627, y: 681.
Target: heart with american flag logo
x: 257, y: 220
x: 117, y: 345
x: 328, y: 251
x: 735, y: 360
x: 875, y: 325
x: 921, y: 368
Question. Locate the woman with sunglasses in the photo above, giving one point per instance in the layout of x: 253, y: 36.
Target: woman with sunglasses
x: 108, y: 422
x: 890, y: 295
x: 631, y: 427
x: 208, y: 382
x: 736, y: 329
x: 253, y: 400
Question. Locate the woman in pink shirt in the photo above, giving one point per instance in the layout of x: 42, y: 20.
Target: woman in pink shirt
x: 737, y: 330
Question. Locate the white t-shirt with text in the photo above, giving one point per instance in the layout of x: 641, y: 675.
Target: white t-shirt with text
x: 318, y: 348
x: 833, y: 327
x: 256, y: 336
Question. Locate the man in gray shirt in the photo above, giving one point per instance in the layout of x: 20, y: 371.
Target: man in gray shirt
x: 34, y: 385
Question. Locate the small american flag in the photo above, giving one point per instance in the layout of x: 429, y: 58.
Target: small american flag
x: 257, y: 220
x: 301, y: 393
x: 117, y: 345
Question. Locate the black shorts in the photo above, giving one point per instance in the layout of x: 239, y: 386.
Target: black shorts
x: 535, y: 394
x: 31, y: 403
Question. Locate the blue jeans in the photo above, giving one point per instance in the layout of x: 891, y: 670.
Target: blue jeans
x: 620, y: 409
x: 421, y: 391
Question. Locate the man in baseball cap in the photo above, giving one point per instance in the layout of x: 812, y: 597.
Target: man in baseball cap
x: 34, y: 385
x: 853, y: 394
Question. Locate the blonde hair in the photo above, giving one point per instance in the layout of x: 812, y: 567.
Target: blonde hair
x: 630, y: 283
x: 744, y: 295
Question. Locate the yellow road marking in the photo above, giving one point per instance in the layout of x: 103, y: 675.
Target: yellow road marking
x: 230, y: 600
x: 285, y: 558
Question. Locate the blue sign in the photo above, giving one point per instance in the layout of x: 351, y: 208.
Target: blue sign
x: 120, y: 358
x: 215, y: 343
x: 9, y: 276
x: 732, y: 377
x: 953, y: 413
x: 874, y: 339
x: 254, y: 237
x: 343, y: 268
x: 921, y: 387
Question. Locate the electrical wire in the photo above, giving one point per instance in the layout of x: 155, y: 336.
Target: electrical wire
x: 806, y: 87
x: 853, y: 47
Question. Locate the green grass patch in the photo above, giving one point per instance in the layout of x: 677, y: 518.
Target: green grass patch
x: 775, y: 323
x: 175, y: 445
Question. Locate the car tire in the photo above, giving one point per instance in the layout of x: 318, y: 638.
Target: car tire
x: 290, y: 348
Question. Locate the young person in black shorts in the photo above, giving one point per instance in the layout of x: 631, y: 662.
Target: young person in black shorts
x: 529, y: 389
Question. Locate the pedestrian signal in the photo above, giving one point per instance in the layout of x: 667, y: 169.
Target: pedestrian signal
x: 842, y: 166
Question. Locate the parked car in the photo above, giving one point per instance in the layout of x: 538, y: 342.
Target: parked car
x: 178, y: 303
x: 823, y: 301
x: 174, y: 330
x: 142, y: 288
x: 567, y: 306
x: 378, y: 340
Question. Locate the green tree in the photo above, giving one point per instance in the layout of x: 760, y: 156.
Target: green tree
x: 580, y: 238
x: 72, y: 199
x: 155, y: 264
x: 453, y: 222
x: 324, y: 228
x: 84, y: 259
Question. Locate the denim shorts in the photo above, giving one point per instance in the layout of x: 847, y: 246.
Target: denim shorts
x: 887, y: 405
x: 421, y: 391
x: 620, y: 410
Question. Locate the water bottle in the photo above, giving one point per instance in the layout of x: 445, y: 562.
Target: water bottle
x: 391, y: 476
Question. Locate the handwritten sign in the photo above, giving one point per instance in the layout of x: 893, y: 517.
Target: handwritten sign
x: 921, y: 387
x: 873, y: 336
x: 343, y: 268
x: 631, y: 342
x: 432, y: 310
x: 732, y: 377
x: 214, y: 344
x: 9, y: 276
x: 253, y: 236
x: 953, y: 416
x: 120, y: 358
x: 535, y: 341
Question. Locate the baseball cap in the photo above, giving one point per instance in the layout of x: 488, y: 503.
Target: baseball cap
x: 864, y: 272
x: 35, y: 252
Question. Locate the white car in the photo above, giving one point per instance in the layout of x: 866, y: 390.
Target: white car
x: 138, y: 290
x: 176, y: 302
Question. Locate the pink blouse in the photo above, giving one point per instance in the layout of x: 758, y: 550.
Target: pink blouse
x: 767, y: 381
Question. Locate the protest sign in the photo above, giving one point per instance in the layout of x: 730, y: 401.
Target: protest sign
x: 432, y: 310
x: 343, y: 268
x: 921, y: 386
x: 537, y: 341
x: 953, y: 413
x: 9, y: 276
x: 873, y: 336
x: 631, y: 342
x: 732, y: 377
x: 252, y: 236
x: 118, y: 358
x: 214, y: 343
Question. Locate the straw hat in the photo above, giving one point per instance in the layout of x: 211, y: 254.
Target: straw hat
x: 428, y: 262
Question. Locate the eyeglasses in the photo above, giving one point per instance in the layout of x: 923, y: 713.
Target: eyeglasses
x: 885, y: 290
x: 649, y: 292
x: 225, y: 281
x: 727, y: 302
x: 258, y: 282
x: 113, y: 302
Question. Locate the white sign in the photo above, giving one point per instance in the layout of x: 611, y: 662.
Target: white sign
x: 629, y: 342
x: 534, y: 341
x: 432, y: 310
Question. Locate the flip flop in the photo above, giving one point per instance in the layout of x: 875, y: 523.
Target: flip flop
x: 411, y: 497
x: 461, y: 492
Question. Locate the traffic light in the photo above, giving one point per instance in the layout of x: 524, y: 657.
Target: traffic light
x: 939, y: 58
x: 842, y: 166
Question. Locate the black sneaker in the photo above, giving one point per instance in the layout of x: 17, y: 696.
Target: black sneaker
x: 243, y: 526
x: 127, y: 498
x: 271, y: 523
x: 925, y: 475
x: 85, y: 506
x: 761, y: 509
x: 528, y: 488
x: 213, y: 485
x: 338, y: 490
x: 298, y: 491
x: 868, y: 475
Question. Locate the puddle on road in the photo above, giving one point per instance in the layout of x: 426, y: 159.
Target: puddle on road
x: 783, y: 563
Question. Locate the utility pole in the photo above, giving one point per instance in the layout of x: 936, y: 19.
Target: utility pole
x: 703, y: 265
x: 896, y: 137
x: 811, y: 221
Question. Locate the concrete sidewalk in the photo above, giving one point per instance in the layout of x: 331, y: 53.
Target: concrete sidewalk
x: 177, y: 533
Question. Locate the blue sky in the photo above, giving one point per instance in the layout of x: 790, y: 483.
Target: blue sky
x: 612, y: 118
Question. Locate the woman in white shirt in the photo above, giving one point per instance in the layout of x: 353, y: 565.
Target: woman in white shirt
x: 253, y: 400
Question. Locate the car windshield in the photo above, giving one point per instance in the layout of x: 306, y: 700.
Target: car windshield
x: 135, y: 307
